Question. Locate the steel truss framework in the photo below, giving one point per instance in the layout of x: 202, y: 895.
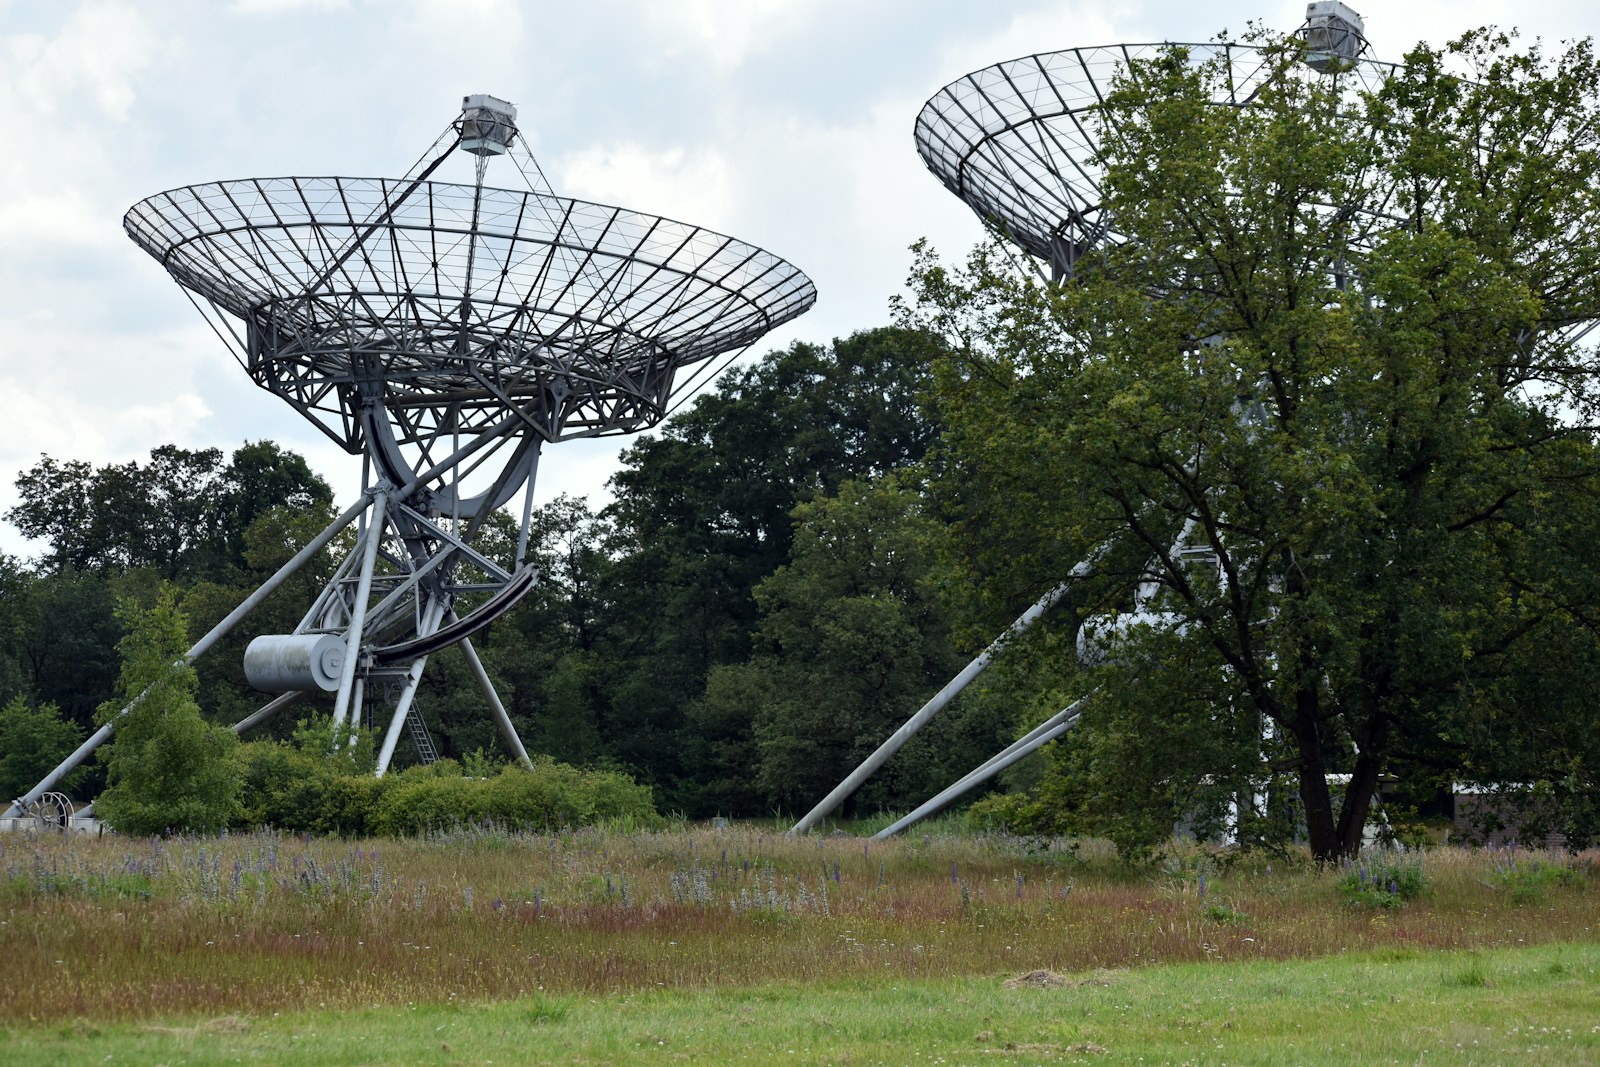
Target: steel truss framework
x: 446, y: 332
x: 1017, y: 142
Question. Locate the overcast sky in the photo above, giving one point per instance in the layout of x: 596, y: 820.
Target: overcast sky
x: 785, y: 123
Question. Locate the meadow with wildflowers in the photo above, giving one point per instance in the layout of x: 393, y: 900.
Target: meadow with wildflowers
x: 290, y: 948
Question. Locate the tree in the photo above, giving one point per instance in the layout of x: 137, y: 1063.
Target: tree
x: 546, y: 651
x: 120, y: 515
x: 183, y: 513
x: 33, y: 740
x: 59, y: 637
x: 702, y: 513
x: 270, y: 540
x: 851, y: 641
x: 1322, y: 413
x: 261, y: 478
x: 167, y: 768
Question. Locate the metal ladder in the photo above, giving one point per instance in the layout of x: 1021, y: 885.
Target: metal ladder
x: 420, y: 737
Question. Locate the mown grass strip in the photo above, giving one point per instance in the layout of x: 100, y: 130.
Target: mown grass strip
x: 1532, y: 1005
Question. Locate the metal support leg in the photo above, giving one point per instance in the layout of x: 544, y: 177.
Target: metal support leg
x: 937, y: 704
x: 200, y: 647
x: 358, y: 610
x: 402, y: 707
x: 272, y: 708
x: 358, y: 698
x: 507, y: 731
x: 527, y: 517
x: 1035, y: 739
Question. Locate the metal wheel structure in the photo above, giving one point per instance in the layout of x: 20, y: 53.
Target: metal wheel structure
x: 445, y: 332
x: 52, y: 811
x: 1018, y: 143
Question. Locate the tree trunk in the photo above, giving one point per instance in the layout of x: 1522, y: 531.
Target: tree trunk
x: 1377, y: 673
x: 1314, y: 796
x: 1363, y: 784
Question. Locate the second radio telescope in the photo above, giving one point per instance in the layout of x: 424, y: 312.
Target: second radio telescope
x: 1017, y: 141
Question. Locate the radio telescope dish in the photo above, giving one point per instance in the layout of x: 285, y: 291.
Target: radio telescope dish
x: 395, y: 314
x: 445, y: 332
x: 1016, y: 141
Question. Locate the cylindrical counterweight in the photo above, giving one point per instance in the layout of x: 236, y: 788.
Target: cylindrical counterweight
x: 287, y: 663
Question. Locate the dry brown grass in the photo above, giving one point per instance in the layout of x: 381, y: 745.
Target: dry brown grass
x: 122, y: 928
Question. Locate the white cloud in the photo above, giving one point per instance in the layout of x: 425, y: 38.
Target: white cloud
x: 280, y: 7
x: 729, y: 33
x: 52, y: 217
x: 1068, y: 25
x: 100, y: 52
x: 689, y: 186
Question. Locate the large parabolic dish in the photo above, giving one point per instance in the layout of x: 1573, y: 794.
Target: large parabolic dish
x: 433, y: 297
x: 446, y: 332
x: 1016, y: 140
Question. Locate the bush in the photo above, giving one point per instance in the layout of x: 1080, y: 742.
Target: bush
x: 303, y: 791
x: 1528, y: 880
x: 1384, y: 881
x: 271, y: 771
x: 550, y: 796
x: 1011, y: 813
x: 32, y: 742
x: 294, y: 790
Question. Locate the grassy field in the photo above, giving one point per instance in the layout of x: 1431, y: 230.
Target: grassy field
x: 1530, y: 1006
x: 739, y: 944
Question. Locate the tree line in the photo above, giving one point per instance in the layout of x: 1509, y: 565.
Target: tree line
x: 750, y: 614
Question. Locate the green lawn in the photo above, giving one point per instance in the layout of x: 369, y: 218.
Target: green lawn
x: 1535, y: 1005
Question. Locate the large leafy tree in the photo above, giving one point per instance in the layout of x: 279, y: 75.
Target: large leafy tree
x: 851, y: 641
x: 58, y: 637
x: 1322, y: 414
x: 187, y: 516
x: 551, y: 651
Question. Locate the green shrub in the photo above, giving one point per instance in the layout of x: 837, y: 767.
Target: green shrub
x: 1220, y: 912
x: 32, y: 741
x: 1003, y: 812
x: 425, y: 803
x: 290, y: 789
x: 1527, y: 881
x: 550, y: 796
x: 350, y: 801
x: 1387, y: 880
x: 297, y: 790
x: 615, y: 795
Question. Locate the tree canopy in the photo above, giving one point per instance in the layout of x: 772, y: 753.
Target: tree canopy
x: 184, y: 512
